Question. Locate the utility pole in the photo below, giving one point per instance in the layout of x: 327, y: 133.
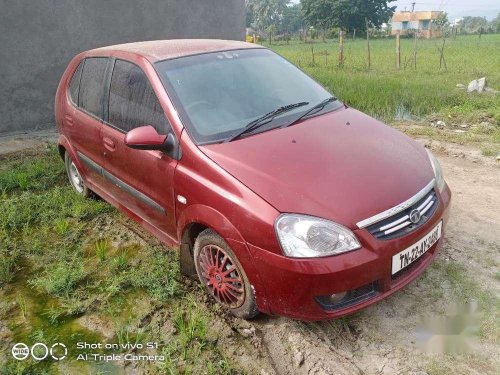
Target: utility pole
x: 413, y: 6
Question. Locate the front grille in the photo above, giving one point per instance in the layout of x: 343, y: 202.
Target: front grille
x: 400, y: 224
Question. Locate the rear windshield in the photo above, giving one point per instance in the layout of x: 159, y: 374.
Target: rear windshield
x: 219, y: 93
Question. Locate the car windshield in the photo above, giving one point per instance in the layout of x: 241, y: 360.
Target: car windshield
x: 218, y: 94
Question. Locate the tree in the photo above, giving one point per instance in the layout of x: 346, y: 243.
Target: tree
x: 266, y: 13
x: 495, y: 24
x: 442, y: 20
x: 249, y: 15
x: 347, y: 14
x: 471, y: 25
x: 292, y: 20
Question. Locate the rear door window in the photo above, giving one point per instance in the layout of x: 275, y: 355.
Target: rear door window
x: 132, y: 101
x: 92, y: 85
x: 74, y: 85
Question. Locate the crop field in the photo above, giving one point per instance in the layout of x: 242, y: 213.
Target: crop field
x: 419, y: 95
x: 389, y: 93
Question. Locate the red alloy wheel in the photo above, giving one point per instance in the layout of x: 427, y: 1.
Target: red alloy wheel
x: 222, y: 276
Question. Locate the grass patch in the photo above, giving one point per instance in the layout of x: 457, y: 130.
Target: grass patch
x: 407, y: 94
x: 490, y: 150
x: 482, y: 140
x: 120, y: 261
x: 101, y: 248
x: 190, y: 350
x: 31, y: 172
x: 60, y: 279
x: 158, y: 275
x: 59, y: 203
x: 60, y: 267
x: 7, y: 264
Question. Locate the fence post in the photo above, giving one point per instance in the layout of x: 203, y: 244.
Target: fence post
x: 398, y: 50
x: 442, y: 60
x: 341, y: 48
x: 368, y: 43
x: 415, y: 50
x: 312, y: 53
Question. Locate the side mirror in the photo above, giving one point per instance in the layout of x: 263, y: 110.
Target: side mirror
x: 147, y: 138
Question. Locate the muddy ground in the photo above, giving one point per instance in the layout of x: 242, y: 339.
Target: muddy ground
x: 383, y: 339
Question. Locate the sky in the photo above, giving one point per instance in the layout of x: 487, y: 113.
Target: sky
x: 454, y: 8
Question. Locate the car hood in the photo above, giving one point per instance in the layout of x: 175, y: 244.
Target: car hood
x: 343, y: 166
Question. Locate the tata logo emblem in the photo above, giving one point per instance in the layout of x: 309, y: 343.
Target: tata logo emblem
x: 415, y: 216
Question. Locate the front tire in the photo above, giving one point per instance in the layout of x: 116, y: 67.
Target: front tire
x: 222, y: 275
x: 75, y: 178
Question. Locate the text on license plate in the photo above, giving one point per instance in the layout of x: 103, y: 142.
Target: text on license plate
x: 415, y: 251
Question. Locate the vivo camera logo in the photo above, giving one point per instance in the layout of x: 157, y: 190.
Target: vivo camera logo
x: 39, y: 351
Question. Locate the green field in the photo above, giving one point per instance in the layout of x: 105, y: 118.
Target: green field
x: 408, y: 93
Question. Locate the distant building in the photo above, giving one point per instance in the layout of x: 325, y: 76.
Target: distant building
x: 422, y: 21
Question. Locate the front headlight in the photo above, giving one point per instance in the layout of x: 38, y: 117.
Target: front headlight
x: 303, y: 236
x: 438, y: 172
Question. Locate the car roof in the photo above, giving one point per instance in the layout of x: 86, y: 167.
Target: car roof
x: 157, y: 50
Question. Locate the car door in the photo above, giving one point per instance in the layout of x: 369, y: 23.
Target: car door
x: 143, y: 180
x: 84, y: 119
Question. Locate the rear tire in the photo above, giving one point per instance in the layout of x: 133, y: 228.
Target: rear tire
x: 75, y: 178
x: 222, y: 275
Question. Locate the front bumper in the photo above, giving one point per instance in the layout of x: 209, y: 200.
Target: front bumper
x: 292, y: 285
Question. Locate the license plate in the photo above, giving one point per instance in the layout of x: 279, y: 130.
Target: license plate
x: 411, y: 254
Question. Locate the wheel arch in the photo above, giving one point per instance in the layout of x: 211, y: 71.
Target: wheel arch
x: 64, y: 146
x: 196, y: 218
x: 192, y: 221
x: 62, y: 151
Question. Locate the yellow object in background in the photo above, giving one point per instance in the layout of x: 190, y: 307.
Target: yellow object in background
x: 252, y: 38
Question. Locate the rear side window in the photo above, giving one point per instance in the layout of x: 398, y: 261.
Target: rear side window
x: 74, y: 85
x: 91, y: 85
x: 132, y: 101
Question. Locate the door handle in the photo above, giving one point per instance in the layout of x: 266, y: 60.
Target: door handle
x: 109, y: 144
x: 69, y: 120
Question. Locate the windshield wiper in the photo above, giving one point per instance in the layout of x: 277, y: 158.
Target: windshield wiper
x: 317, y: 107
x: 265, y: 119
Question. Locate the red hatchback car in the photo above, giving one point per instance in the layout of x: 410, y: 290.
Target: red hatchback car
x: 282, y: 199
